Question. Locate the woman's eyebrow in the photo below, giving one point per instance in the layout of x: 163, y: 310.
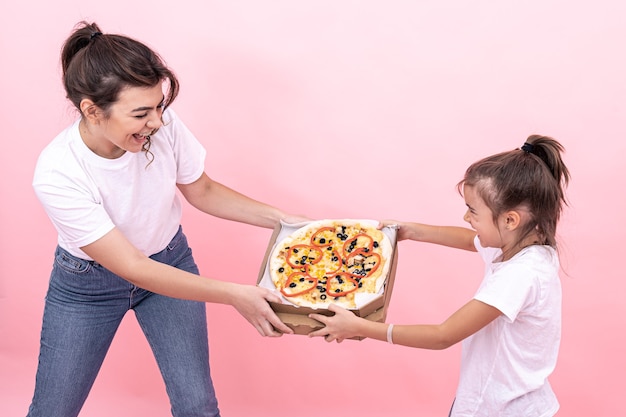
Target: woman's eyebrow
x: 144, y: 108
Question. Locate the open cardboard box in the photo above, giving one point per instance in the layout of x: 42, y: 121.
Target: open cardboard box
x: 296, y: 317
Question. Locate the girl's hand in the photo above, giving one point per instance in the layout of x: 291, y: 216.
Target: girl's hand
x: 403, y: 228
x: 342, y: 325
x: 252, y: 303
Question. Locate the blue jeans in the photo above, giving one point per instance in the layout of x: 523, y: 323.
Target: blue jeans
x: 84, y: 306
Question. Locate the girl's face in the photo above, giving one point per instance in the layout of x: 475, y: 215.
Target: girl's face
x: 480, y: 217
x: 134, y: 116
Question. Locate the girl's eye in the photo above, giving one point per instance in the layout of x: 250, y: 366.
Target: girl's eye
x: 141, y: 116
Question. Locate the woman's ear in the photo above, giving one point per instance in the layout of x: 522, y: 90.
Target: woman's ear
x: 89, y: 110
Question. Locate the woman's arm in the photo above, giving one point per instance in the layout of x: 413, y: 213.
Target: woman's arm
x: 118, y: 255
x: 218, y: 200
x: 466, y: 321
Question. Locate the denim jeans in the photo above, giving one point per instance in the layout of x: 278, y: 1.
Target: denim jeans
x: 84, y: 306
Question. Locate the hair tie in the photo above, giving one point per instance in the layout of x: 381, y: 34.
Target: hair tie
x: 95, y: 34
x: 528, y: 147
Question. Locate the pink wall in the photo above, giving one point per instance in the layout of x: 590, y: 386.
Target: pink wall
x: 430, y: 87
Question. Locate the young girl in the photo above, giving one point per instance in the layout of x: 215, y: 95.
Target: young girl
x: 511, y: 328
x: 109, y: 185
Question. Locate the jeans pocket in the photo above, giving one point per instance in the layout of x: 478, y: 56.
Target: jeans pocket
x: 178, y: 238
x: 71, y: 263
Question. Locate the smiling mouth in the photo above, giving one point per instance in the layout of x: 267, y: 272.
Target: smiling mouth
x: 142, y: 137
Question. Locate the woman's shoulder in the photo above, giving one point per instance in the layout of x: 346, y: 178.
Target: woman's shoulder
x: 57, y: 150
x: 175, y: 132
x: 171, y: 120
x: 172, y: 126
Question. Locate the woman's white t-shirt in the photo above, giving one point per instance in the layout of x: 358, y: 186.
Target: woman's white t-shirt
x: 86, y: 196
x: 505, y: 366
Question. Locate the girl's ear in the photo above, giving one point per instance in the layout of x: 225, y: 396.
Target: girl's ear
x: 512, y: 220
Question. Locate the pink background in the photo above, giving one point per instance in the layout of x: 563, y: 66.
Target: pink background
x: 430, y: 86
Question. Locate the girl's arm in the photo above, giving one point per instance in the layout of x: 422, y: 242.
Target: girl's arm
x: 452, y: 236
x: 216, y: 199
x: 466, y: 321
x: 118, y: 255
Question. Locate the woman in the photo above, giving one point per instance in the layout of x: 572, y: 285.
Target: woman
x: 109, y: 185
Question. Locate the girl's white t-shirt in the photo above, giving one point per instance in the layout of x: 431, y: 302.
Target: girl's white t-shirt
x: 505, y: 366
x: 86, y: 196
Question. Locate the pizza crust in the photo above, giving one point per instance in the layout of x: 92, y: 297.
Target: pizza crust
x: 306, y: 269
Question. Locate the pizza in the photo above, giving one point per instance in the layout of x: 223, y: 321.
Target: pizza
x: 331, y: 261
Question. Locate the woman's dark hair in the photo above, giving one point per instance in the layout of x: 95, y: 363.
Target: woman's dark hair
x: 532, y: 177
x: 98, y: 66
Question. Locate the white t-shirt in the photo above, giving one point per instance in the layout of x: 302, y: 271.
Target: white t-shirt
x: 86, y: 196
x: 505, y: 366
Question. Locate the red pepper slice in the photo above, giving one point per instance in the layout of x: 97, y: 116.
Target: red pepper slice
x: 331, y: 291
x: 335, y: 262
x: 295, y: 278
x: 368, y: 262
x: 362, y: 243
x: 297, y: 252
x: 322, y: 233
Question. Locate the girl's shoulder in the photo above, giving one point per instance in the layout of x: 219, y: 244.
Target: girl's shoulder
x: 532, y: 264
x: 537, y: 256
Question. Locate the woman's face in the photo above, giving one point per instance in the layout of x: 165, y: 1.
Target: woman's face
x: 134, y: 116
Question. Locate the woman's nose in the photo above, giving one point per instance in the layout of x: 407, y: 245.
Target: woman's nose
x: 154, y: 122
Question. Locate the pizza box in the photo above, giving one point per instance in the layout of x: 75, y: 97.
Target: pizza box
x: 296, y: 317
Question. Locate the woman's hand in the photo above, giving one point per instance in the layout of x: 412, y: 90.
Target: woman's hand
x: 342, y: 325
x: 293, y: 219
x: 252, y: 303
